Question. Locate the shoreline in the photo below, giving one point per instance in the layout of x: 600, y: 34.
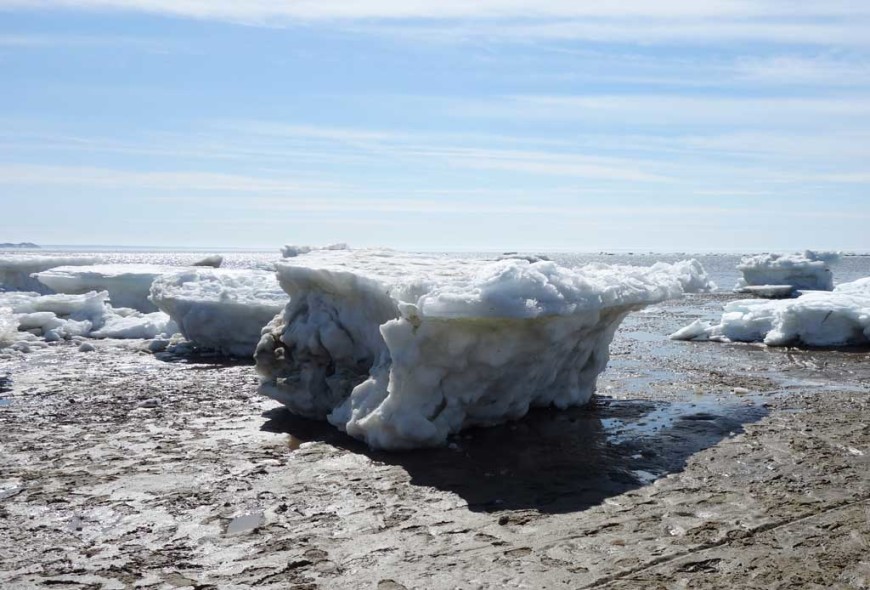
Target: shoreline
x: 698, y: 465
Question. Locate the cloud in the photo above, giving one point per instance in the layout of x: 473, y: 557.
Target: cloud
x: 837, y: 22
x: 34, y: 174
x: 263, y: 10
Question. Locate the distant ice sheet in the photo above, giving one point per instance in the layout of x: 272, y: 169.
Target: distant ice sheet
x: 816, y: 318
x: 128, y: 285
x: 291, y: 250
x: 221, y: 309
x: 402, y: 350
x: 16, y: 270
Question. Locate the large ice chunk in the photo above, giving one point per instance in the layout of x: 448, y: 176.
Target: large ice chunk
x: 128, y: 284
x: 221, y: 309
x: 59, y: 317
x: 402, y: 350
x: 808, y: 270
x: 817, y: 318
x: 16, y: 270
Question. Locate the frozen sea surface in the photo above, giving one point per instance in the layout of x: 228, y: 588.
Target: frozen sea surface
x: 722, y: 268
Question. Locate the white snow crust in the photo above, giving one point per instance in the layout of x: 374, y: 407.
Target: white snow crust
x: 402, y: 350
x: 62, y: 317
x: 128, y: 284
x: 221, y: 309
x: 291, y: 251
x: 15, y: 270
x: 808, y: 270
x: 816, y: 318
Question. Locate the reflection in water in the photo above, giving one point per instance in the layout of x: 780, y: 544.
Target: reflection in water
x: 552, y: 460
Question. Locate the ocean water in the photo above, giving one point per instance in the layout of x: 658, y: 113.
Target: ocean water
x: 721, y: 267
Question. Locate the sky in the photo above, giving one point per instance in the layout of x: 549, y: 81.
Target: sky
x: 662, y: 125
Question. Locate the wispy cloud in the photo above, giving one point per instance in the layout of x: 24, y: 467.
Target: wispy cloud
x: 27, y: 174
x: 835, y: 22
x: 425, y: 9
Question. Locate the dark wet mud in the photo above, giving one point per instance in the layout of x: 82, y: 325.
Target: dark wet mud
x: 699, y: 465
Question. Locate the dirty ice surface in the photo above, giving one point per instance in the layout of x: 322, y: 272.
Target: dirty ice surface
x: 401, y: 350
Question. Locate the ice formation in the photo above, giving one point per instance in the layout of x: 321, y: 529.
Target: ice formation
x: 291, y: 251
x: 817, y: 318
x: 808, y: 270
x: 224, y: 310
x: 16, y: 270
x: 402, y: 350
x: 691, y: 274
x: 214, y: 261
x: 61, y: 317
x: 128, y: 284
x: 8, y: 327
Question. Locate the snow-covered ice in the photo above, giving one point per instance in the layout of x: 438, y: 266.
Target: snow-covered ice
x: 8, y: 327
x: 291, y: 250
x: 402, y: 350
x: 128, y: 284
x: 816, y: 318
x: 16, y: 269
x: 62, y: 317
x: 808, y: 270
x: 220, y: 309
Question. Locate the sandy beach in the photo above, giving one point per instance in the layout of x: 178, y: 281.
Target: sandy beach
x: 698, y: 465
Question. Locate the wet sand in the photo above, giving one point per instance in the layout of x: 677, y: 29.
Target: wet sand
x: 697, y: 466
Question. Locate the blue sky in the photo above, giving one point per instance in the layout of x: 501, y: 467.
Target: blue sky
x: 672, y: 125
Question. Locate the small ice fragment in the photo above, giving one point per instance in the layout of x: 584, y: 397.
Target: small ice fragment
x: 214, y: 261
x: 86, y: 347
x: 697, y: 331
x: 247, y: 523
x: 157, y: 345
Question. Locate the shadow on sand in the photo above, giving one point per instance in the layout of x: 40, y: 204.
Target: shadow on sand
x: 553, y: 461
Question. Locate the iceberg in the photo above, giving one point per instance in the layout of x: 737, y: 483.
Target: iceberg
x: 128, y: 285
x: 808, y: 270
x: 816, y: 318
x: 16, y: 270
x: 402, y: 350
x: 221, y: 309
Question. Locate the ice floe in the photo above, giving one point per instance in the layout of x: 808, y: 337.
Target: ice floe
x: 816, y: 318
x: 402, y: 350
x: 128, y: 285
x: 291, y: 251
x: 220, y: 309
x: 808, y: 270
x: 16, y: 270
